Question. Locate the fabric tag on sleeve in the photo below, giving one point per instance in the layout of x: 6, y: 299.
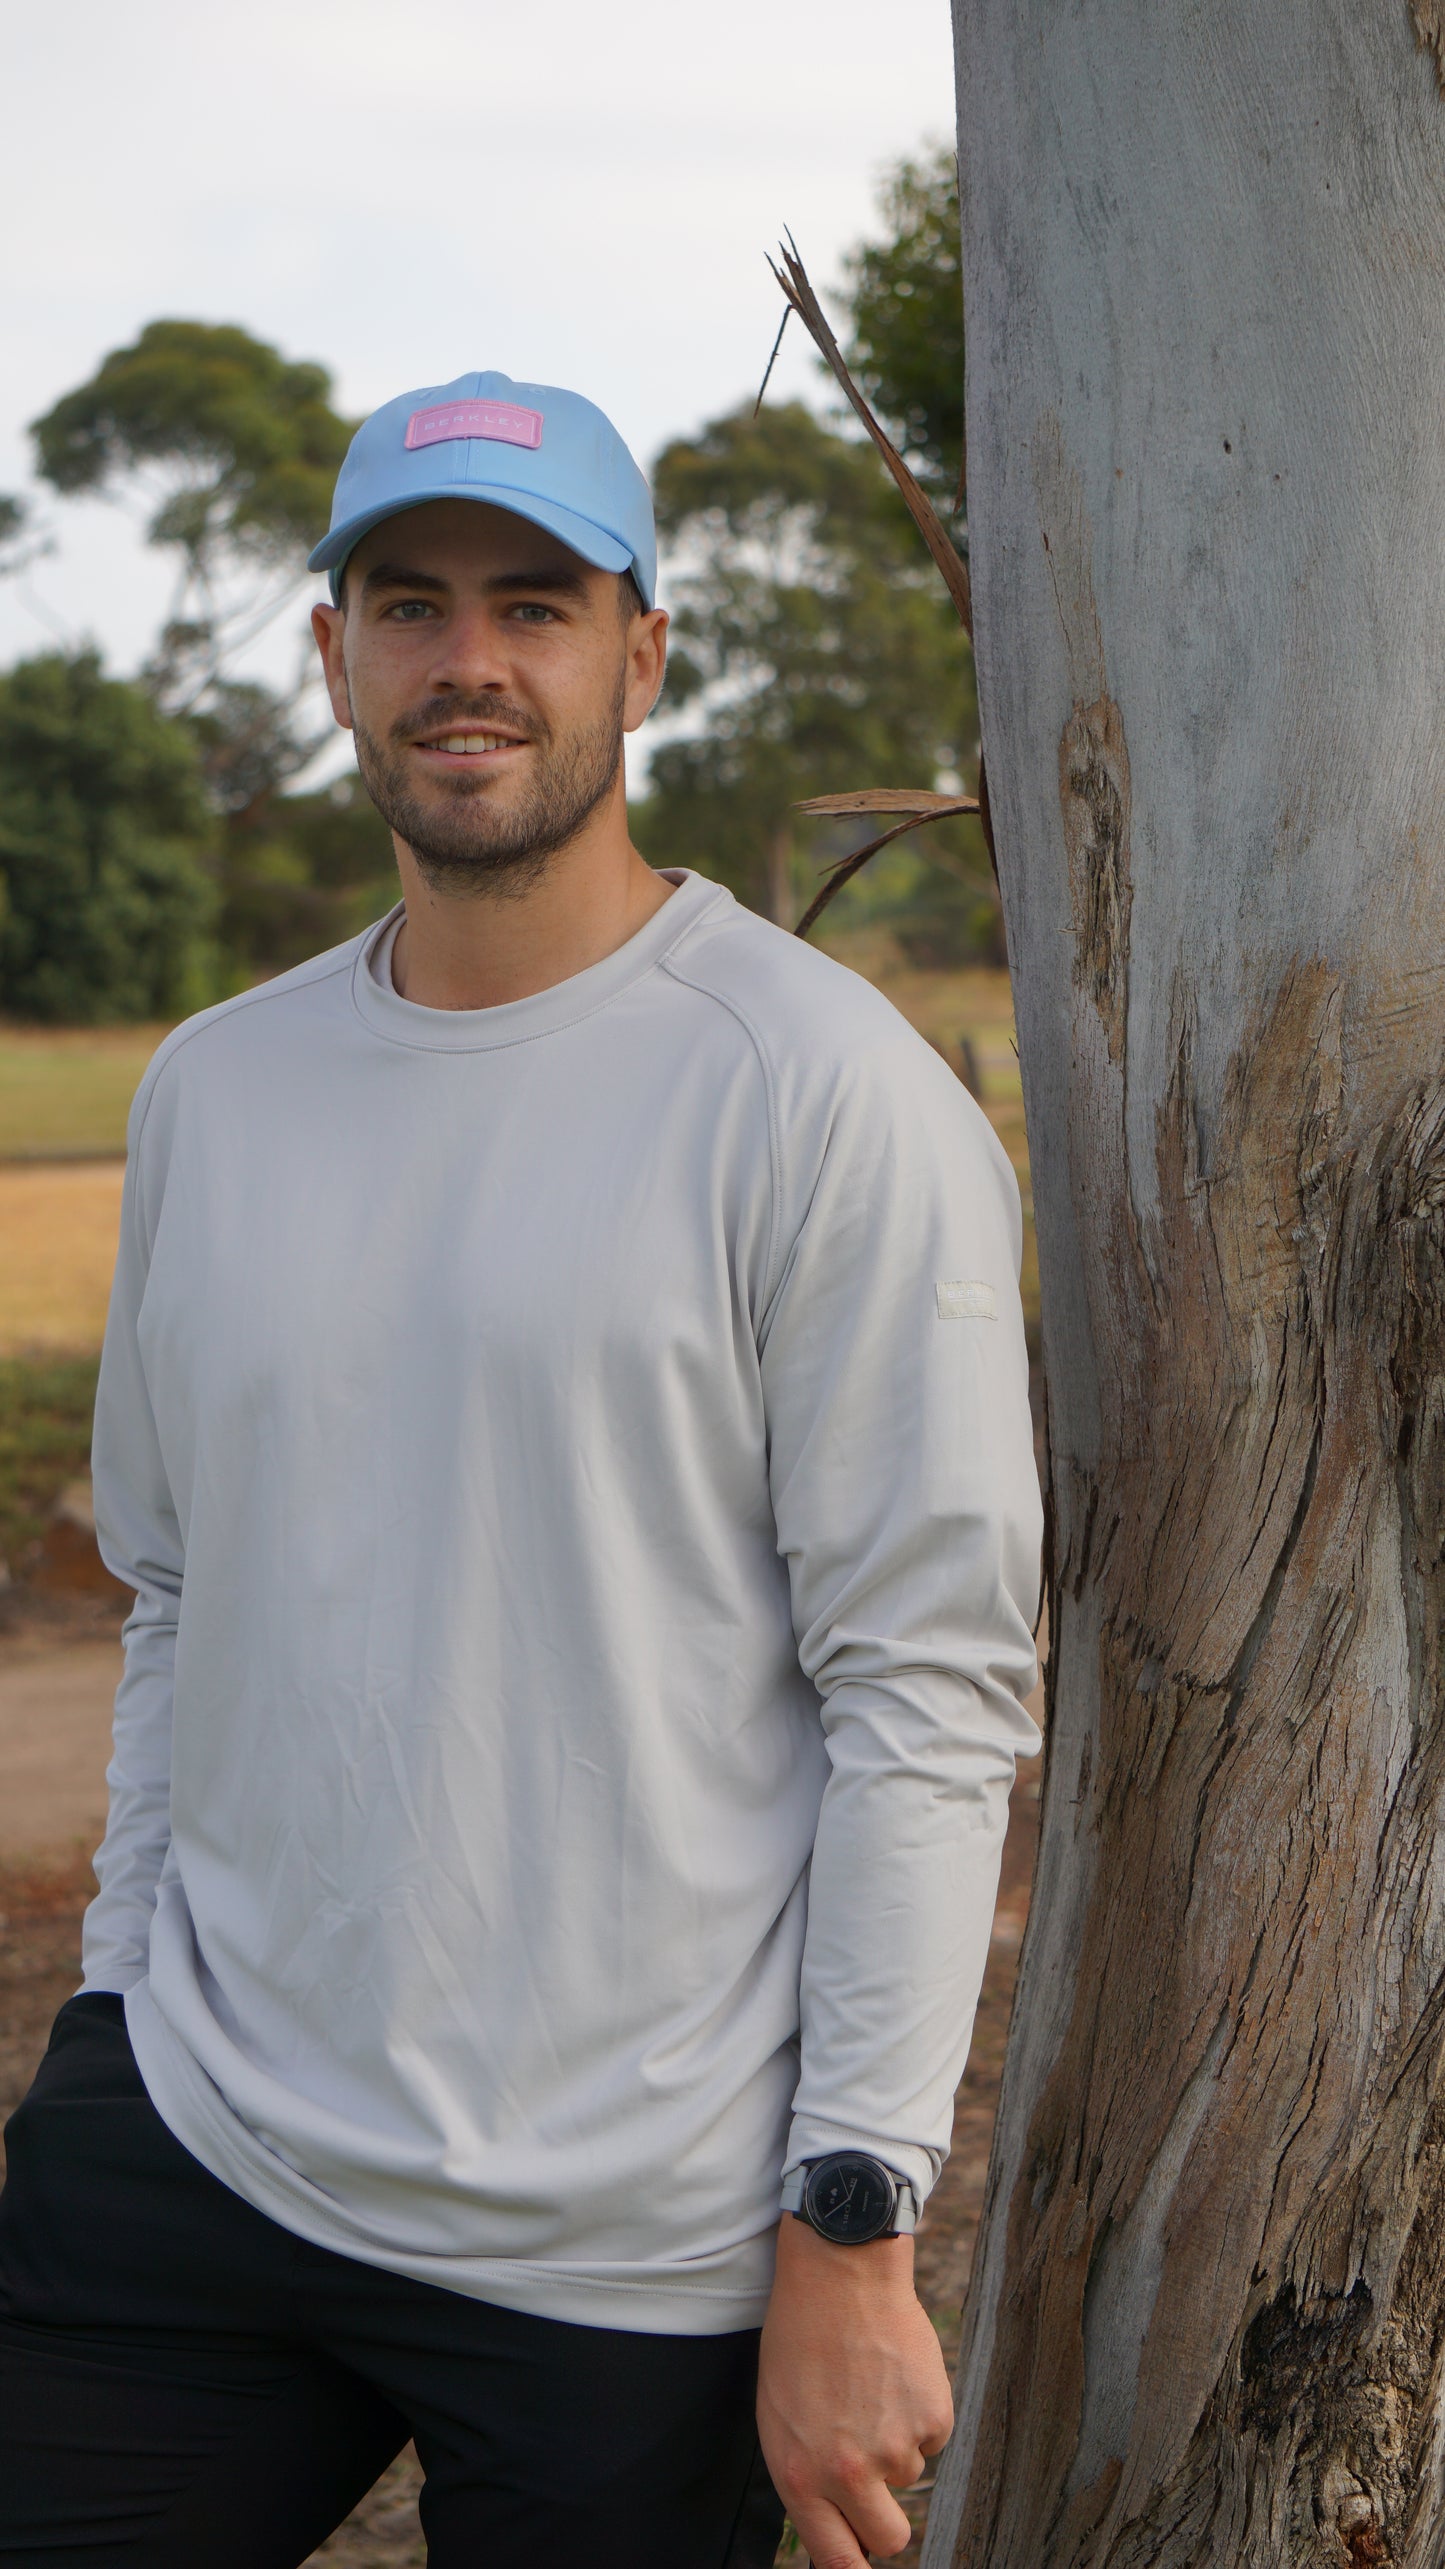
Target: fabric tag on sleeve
x: 966, y: 1298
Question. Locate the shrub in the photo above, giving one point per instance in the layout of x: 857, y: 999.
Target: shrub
x: 107, y: 904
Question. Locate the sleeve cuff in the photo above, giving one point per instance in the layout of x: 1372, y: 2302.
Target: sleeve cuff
x: 811, y: 2138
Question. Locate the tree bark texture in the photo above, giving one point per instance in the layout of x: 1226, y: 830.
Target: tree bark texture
x: 1205, y: 290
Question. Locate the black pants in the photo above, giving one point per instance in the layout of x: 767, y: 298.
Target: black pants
x: 184, y: 2385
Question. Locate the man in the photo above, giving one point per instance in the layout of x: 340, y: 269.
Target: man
x: 563, y: 1417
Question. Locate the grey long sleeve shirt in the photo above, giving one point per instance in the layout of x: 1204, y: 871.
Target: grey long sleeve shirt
x: 574, y: 1463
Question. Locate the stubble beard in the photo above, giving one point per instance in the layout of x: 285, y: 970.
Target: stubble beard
x: 465, y: 842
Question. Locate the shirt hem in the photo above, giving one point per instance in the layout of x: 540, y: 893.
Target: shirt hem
x: 673, y: 2306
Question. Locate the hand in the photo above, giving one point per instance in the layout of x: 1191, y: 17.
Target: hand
x: 852, y: 2392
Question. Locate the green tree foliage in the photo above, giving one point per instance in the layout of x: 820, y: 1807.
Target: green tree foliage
x: 303, y: 871
x: 252, y: 741
x: 240, y: 445
x: 21, y: 540
x: 106, y: 901
x: 905, y: 302
x: 814, y: 650
x: 232, y: 451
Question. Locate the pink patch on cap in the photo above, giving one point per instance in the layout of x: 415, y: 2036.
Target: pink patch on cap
x: 501, y: 420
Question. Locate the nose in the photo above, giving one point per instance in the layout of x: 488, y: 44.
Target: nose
x: 471, y: 657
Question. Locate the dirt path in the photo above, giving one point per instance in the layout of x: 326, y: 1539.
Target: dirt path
x: 55, y: 1705
x: 55, y: 1701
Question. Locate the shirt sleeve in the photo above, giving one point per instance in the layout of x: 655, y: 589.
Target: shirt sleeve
x: 140, y: 1542
x: 907, y: 1507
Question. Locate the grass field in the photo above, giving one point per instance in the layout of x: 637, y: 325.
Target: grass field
x: 65, y: 1091
x: 59, y: 1223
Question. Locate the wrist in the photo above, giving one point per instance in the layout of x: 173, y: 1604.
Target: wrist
x: 880, y: 2269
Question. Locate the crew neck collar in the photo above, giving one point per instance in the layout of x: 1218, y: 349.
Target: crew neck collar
x: 515, y: 1021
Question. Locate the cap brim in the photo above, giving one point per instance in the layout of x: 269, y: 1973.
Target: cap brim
x: 595, y: 545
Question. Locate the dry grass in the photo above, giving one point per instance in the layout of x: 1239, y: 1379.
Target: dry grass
x: 60, y: 1226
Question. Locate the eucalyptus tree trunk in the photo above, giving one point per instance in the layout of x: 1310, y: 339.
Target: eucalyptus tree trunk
x: 1205, y: 288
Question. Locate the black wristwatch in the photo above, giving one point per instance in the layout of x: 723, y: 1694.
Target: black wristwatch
x: 850, y: 2198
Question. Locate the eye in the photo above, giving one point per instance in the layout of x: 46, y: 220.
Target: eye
x: 410, y: 610
x: 532, y: 611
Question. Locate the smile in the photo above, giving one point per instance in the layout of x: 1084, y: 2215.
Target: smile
x: 470, y: 744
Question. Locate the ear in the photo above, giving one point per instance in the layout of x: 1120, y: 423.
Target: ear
x: 329, y: 626
x: 646, y: 666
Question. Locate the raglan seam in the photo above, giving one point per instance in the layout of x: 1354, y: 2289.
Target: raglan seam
x: 704, y: 989
x: 243, y: 999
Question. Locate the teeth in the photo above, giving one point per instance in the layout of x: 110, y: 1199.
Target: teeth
x: 471, y: 744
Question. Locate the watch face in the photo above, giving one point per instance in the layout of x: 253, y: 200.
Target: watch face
x: 849, y: 2198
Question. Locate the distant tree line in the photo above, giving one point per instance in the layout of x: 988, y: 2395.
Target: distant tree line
x: 154, y: 852
x: 151, y: 856
x: 125, y: 892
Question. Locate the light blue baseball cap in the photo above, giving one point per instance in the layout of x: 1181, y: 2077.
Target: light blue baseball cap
x: 545, y: 454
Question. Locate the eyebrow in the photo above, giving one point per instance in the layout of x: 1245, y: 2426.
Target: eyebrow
x: 390, y: 575
x: 555, y: 580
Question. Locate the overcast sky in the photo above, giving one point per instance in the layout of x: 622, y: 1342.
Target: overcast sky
x: 568, y: 191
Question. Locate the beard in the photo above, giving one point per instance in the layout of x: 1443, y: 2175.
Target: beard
x: 464, y: 842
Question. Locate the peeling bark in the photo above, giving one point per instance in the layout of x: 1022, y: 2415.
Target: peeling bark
x: 1207, y: 437
x: 1094, y: 799
x: 1094, y: 795
x: 1428, y: 19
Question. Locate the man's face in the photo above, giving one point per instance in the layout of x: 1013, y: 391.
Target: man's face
x: 488, y: 675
